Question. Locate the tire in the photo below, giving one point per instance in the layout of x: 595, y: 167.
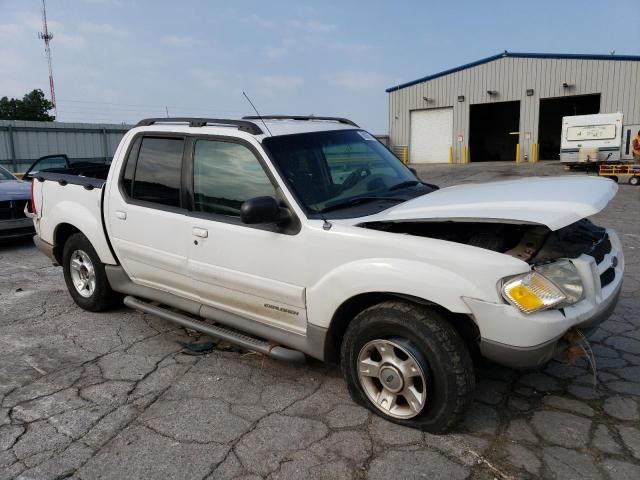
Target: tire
x: 634, y: 181
x: 422, y: 341
x: 96, y: 296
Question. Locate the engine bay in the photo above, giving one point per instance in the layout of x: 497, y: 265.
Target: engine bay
x: 534, y: 244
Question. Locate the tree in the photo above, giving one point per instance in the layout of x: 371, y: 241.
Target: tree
x: 33, y: 106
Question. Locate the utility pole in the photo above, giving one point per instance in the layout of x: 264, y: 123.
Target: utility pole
x: 47, y: 37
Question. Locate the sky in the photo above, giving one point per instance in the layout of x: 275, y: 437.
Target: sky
x: 122, y: 60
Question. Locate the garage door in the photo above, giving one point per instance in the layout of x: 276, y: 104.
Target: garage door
x: 431, y: 134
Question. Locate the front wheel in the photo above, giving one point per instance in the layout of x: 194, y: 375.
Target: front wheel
x: 85, y: 276
x: 406, y: 363
x: 634, y: 181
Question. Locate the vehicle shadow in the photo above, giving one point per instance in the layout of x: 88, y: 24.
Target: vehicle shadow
x: 16, y: 243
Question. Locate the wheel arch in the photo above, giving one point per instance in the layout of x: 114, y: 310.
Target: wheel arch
x: 61, y: 234
x: 351, y: 307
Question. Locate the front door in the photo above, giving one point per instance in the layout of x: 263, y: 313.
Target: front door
x: 149, y: 225
x: 249, y: 270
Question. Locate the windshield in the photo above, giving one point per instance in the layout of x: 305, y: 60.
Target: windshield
x: 6, y: 175
x: 342, y: 168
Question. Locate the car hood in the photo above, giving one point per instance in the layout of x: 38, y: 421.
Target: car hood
x: 14, y: 190
x: 552, y: 201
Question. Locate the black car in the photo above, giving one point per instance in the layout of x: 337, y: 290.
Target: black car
x: 14, y: 196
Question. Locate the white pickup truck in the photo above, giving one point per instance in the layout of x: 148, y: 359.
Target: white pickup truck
x: 296, y: 236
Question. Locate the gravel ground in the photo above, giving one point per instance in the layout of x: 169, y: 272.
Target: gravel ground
x: 90, y: 396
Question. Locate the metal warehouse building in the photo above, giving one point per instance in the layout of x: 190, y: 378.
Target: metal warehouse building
x: 509, y: 105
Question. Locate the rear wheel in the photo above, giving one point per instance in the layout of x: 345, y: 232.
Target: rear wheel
x: 85, y: 276
x: 406, y: 363
x: 634, y: 181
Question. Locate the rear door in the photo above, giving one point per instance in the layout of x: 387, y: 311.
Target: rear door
x: 250, y: 270
x: 147, y: 215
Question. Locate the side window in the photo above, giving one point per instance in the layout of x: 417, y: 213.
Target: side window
x: 130, y: 167
x: 157, y: 172
x: 225, y: 175
x: 49, y: 163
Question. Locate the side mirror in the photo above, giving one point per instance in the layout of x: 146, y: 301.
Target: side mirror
x: 263, y: 210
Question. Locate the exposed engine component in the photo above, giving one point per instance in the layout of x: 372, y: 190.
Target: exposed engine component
x: 535, y: 244
x: 574, y: 240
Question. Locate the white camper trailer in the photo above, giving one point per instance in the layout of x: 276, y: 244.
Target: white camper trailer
x: 598, y: 138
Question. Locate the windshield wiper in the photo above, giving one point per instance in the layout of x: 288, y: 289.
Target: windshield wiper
x: 408, y: 183
x: 355, y: 201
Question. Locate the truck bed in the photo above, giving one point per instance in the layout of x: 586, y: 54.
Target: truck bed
x: 67, y: 199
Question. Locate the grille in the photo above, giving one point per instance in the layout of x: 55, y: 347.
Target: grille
x: 12, y: 210
x: 607, y: 276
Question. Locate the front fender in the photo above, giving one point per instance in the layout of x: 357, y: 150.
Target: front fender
x: 390, y: 275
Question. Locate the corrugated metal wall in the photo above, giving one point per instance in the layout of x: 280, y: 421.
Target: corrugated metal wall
x: 618, y: 82
x: 21, y: 142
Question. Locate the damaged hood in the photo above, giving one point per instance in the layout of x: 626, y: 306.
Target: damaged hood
x: 552, y: 201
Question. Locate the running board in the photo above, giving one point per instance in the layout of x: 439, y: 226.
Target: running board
x: 244, y: 341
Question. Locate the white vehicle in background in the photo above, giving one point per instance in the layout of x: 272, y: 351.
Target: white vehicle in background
x: 598, y: 138
x: 305, y: 235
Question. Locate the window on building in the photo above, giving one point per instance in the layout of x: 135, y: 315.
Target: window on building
x: 225, y: 175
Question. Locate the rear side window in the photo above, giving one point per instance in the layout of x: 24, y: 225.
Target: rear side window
x: 225, y: 175
x: 157, y: 172
x: 130, y: 167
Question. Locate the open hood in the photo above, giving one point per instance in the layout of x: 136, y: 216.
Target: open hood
x: 552, y: 201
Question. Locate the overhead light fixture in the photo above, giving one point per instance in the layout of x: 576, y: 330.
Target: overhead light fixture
x: 427, y: 99
x: 566, y: 85
x: 529, y: 92
x: 492, y: 92
x: 461, y: 98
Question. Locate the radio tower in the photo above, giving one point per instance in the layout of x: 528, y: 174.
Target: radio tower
x: 47, y: 37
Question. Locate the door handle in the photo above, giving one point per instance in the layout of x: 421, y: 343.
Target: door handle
x: 200, y: 232
x: 121, y: 215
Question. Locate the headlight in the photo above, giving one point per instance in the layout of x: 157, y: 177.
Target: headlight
x: 565, y: 276
x: 532, y: 292
x: 552, y: 285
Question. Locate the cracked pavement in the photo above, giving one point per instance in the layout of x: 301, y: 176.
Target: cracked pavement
x: 101, y: 396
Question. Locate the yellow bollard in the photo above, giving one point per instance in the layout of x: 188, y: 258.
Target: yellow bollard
x: 517, y: 153
x: 464, y: 154
x: 450, y: 154
x: 533, y: 153
x: 537, y: 152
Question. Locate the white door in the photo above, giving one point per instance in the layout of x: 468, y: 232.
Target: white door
x: 239, y: 268
x: 431, y: 134
x: 149, y: 226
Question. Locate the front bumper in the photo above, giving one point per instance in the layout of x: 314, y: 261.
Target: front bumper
x: 15, y: 228
x: 516, y: 340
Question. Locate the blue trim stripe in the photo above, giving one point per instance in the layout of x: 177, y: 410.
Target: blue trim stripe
x: 559, y: 56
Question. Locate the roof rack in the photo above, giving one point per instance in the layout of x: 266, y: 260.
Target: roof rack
x: 345, y: 121
x: 242, y: 125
